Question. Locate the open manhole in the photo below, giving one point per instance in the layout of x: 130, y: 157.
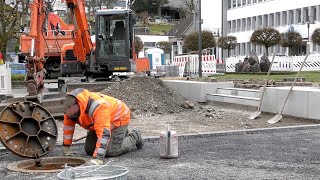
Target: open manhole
x: 46, y: 165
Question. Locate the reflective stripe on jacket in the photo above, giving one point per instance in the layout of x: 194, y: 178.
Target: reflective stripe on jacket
x: 98, y: 112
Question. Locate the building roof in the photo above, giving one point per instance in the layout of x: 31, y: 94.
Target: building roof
x: 176, y: 3
x: 181, y: 27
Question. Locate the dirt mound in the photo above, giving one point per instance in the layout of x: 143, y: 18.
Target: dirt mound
x: 148, y: 96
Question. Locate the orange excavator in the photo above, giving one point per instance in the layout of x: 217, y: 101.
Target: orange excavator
x: 56, y: 35
x: 113, y: 49
x: 114, y: 42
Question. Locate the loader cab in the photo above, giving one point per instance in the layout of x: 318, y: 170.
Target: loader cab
x: 114, y: 35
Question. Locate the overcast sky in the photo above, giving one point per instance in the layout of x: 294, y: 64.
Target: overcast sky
x: 211, y: 14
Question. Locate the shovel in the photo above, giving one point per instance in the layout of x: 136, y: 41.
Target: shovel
x: 277, y: 117
x: 258, y: 112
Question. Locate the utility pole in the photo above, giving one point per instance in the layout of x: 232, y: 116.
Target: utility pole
x: 200, y: 41
x: 194, y: 20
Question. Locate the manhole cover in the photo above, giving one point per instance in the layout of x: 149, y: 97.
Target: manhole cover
x: 46, y: 165
x: 27, y: 129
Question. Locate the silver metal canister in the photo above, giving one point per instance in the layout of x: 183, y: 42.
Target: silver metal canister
x: 168, y: 144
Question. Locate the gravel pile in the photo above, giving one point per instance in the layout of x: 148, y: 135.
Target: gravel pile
x: 148, y: 96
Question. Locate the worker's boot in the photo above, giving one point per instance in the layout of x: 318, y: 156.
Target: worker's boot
x: 137, y: 135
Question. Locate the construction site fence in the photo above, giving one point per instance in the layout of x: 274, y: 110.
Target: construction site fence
x: 189, y: 65
x: 5, y: 79
x: 282, y: 63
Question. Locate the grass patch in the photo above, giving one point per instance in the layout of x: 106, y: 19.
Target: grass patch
x: 17, y: 77
x: 311, y: 76
x: 160, y: 28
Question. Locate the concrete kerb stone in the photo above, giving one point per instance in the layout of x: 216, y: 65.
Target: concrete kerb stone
x: 236, y: 132
x: 222, y: 133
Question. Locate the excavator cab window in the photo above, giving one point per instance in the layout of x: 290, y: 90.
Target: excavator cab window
x: 112, y: 36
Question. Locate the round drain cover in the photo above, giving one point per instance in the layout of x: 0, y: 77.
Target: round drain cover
x: 27, y: 129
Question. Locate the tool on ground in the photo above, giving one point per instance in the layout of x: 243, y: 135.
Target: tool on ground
x: 95, y: 172
x: 277, y: 117
x: 168, y: 144
x: 78, y: 139
x: 258, y: 112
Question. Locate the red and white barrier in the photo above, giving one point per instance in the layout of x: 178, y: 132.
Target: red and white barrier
x: 282, y: 63
x: 189, y: 64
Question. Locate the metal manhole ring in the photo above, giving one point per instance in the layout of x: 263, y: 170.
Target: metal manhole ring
x: 28, y: 166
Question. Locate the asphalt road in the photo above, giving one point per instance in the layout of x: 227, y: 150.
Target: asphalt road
x: 276, y: 155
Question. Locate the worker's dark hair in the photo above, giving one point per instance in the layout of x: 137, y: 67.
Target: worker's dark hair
x: 70, y: 101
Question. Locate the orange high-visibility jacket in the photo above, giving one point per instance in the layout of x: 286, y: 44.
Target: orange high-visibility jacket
x: 98, y: 112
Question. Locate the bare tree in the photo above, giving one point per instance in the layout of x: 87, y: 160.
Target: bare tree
x: 266, y: 37
x: 316, y: 36
x: 165, y: 46
x: 11, y: 13
x: 189, y: 4
x: 191, y: 41
x: 138, y: 44
x: 291, y: 40
x: 227, y: 42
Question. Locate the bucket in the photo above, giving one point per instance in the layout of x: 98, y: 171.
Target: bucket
x: 168, y: 144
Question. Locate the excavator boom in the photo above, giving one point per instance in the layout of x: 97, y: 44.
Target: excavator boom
x: 35, y: 61
x: 81, y: 34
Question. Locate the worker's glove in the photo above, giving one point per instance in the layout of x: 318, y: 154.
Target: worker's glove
x: 96, y: 161
x: 67, y: 151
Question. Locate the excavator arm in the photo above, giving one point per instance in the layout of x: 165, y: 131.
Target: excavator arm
x: 35, y: 60
x: 81, y: 34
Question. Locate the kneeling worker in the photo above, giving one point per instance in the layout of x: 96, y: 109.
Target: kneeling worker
x: 107, y: 120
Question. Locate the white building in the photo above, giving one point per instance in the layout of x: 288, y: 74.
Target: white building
x: 242, y: 17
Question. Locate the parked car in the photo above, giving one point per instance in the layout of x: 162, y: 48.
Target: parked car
x: 18, y: 68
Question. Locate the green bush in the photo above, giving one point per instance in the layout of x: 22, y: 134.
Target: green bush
x: 17, y: 77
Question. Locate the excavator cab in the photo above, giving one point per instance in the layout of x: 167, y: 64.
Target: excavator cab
x: 114, y: 29
x: 112, y: 50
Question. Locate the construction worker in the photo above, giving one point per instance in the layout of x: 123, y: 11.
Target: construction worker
x: 107, y: 120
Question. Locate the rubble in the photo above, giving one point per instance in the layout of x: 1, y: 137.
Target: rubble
x: 148, y: 96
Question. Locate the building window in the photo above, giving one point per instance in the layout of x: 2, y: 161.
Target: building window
x: 244, y: 2
x: 239, y: 3
x: 306, y: 15
x: 265, y: 21
x: 298, y: 16
x: 254, y: 22
x: 248, y: 24
x: 229, y: 27
x: 259, y: 21
x: 243, y: 49
x: 291, y: 17
x: 234, y: 3
x: 243, y: 25
x: 278, y: 19
x: 284, y: 18
x: 271, y: 20
x: 249, y: 2
x: 254, y: 1
x: 238, y: 25
x: 314, y: 13
x: 277, y: 49
x: 248, y: 48
x: 254, y: 48
x: 149, y: 44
